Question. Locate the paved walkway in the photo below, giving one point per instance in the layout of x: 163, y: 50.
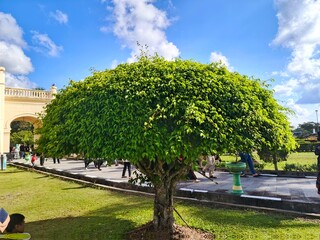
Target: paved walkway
x: 276, y: 191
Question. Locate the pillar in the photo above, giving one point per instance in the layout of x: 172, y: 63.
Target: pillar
x: 2, y: 89
x: 53, y: 91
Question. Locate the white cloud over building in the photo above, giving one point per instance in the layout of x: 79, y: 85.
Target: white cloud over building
x: 12, y: 45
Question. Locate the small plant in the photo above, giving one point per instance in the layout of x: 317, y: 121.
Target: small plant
x: 300, y: 168
x: 312, y: 168
x: 140, y: 179
x: 289, y: 167
x: 259, y: 166
x: 221, y: 165
x: 292, y: 167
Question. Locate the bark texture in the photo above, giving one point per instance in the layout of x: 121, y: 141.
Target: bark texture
x: 164, y: 177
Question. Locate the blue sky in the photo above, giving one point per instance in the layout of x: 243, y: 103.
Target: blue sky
x: 53, y: 41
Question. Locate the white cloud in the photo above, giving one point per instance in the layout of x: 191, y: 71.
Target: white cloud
x: 288, y: 88
x: 19, y: 81
x: 281, y: 73
x: 299, y: 31
x: 10, y: 31
x: 61, y: 17
x: 114, y: 64
x: 310, y: 94
x: 297, y: 108
x: 45, y: 45
x: 12, y: 55
x: 141, y: 22
x: 13, y: 59
x: 304, y: 113
x: 218, y: 57
x: 105, y: 29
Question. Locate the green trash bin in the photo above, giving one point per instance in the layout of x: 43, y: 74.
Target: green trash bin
x: 235, y: 168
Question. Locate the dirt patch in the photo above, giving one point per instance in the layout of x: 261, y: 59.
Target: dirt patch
x: 180, y: 233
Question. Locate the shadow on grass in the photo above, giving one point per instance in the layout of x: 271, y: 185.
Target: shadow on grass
x: 73, y: 188
x: 42, y: 176
x: 110, y: 222
x: 246, y: 218
x: 86, y: 228
x: 11, y: 170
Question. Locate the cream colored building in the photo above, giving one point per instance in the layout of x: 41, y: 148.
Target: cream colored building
x: 17, y: 104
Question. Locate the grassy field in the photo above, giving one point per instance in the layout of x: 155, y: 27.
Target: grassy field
x: 307, y: 158
x: 57, y: 209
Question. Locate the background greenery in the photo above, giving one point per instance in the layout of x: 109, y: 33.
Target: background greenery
x: 21, y: 133
x: 297, y: 158
x: 57, y: 209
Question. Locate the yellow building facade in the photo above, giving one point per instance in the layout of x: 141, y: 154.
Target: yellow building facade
x: 18, y: 104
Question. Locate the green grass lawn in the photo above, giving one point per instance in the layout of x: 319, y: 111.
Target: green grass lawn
x: 57, y: 209
x: 307, y: 158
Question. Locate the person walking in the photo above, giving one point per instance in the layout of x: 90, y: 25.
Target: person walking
x: 22, y: 150
x: 126, y: 165
x: 210, y: 166
x: 56, y: 159
x: 33, y: 159
x: 16, y: 152
x: 246, y: 158
x: 98, y: 163
x: 12, y: 153
x: 41, y: 159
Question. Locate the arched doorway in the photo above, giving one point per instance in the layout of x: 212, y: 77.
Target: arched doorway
x: 21, y: 130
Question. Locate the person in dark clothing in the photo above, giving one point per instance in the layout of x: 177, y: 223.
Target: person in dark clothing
x: 41, y: 159
x: 21, y: 151
x: 246, y: 158
x: 126, y: 165
x: 27, y: 149
x: 55, y: 159
x: 98, y: 163
x: 87, y: 161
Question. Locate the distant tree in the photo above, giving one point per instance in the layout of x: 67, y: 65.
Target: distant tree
x: 22, y: 132
x: 22, y: 137
x: 161, y: 116
x: 279, y: 143
x: 21, y: 125
x: 305, y: 129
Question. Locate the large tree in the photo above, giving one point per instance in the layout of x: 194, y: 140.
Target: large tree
x: 161, y: 115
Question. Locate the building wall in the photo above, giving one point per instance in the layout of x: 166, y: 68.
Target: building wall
x: 2, y: 106
x: 19, y: 105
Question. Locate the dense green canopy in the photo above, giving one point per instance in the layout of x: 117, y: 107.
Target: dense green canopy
x: 158, y: 108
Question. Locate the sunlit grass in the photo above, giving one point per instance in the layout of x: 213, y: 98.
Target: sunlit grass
x: 57, y: 209
x: 304, y: 158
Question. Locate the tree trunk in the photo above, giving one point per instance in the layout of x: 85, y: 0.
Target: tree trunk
x: 164, y: 177
x: 163, y: 206
x: 275, y: 162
